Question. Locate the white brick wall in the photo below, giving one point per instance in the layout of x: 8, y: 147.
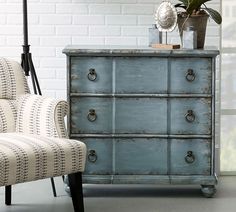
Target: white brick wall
x: 53, y: 24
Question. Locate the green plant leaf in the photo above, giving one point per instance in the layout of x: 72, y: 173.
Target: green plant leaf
x: 214, y: 15
x: 195, y: 5
x: 185, y: 2
x: 180, y: 5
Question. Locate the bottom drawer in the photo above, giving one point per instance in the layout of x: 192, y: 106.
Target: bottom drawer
x: 190, y: 157
x: 141, y: 156
x: 99, y: 156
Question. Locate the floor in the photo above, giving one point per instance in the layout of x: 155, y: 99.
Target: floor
x: 37, y: 197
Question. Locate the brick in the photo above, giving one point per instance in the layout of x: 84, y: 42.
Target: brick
x: 9, y: 8
x: 89, y: 19
x: 137, y: 9
x: 134, y: 31
x: 53, y: 84
x: 3, y: 19
x: 72, y: 30
x: 146, y: 20
x: 52, y: 62
x: 11, y: 30
x: 121, y: 20
x: 46, y: 73
x: 55, y: 19
x: 54, y: 40
x: 41, y: 8
x: 88, y: 40
x: 120, y: 41
x: 72, y: 8
x: 43, y: 51
x: 42, y: 30
x: 104, y: 30
x: 105, y: 9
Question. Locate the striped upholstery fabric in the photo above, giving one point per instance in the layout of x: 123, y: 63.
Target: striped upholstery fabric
x: 41, y: 116
x: 13, y: 81
x: 33, y: 137
x: 26, y: 158
x: 7, y: 115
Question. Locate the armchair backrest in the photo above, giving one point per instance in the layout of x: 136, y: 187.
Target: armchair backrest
x: 12, y: 84
x: 12, y: 79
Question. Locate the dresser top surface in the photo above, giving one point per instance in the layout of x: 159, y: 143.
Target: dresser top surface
x: 136, y: 50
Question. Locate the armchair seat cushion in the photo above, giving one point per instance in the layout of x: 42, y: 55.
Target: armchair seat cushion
x: 28, y: 157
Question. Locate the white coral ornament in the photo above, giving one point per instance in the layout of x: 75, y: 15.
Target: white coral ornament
x: 166, y: 17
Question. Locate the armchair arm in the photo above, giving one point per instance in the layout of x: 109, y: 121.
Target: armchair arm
x: 41, y: 116
x: 7, y: 115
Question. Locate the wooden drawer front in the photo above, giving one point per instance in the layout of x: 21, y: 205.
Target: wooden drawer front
x: 91, y: 75
x: 141, y: 75
x: 191, y: 75
x: 190, y: 116
x: 99, y: 156
x: 141, y: 156
x: 190, y: 157
x: 91, y: 115
x: 141, y: 115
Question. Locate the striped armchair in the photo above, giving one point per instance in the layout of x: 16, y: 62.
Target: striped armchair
x: 33, y: 138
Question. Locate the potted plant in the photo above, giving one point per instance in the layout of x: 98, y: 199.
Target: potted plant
x: 195, y: 13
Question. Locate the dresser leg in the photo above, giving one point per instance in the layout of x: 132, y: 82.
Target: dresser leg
x: 208, y: 190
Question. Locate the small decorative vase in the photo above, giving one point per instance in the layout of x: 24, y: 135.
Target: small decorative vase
x: 197, y: 22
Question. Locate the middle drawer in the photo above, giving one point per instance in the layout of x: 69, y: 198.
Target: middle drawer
x: 118, y: 115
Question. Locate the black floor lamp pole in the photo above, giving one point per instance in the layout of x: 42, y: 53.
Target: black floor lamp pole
x: 26, y: 58
x: 28, y: 66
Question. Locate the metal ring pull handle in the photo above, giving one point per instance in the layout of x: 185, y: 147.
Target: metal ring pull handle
x: 92, y: 156
x: 189, y: 116
x: 190, y: 75
x: 92, y: 116
x: 189, y: 158
x: 92, y: 75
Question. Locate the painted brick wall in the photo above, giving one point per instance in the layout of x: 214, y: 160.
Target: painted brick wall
x: 56, y: 23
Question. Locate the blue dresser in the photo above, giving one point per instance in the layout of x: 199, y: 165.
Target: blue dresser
x: 146, y: 115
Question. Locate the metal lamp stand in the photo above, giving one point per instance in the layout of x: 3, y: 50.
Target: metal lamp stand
x: 28, y: 66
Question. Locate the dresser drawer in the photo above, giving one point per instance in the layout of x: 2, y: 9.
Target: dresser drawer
x: 190, y: 157
x: 191, y: 75
x: 141, y: 156
x: 141, y: 75
x: 99, y: 156
x: 190, y: 116
x: 141, y: 115
x: 91, y: 75
x: 90, y: 115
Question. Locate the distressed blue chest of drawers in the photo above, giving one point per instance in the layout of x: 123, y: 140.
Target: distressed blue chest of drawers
x: 146, y: 115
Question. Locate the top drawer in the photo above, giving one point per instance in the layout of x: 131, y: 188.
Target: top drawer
x: 191, y: 75
x: 91, y: 75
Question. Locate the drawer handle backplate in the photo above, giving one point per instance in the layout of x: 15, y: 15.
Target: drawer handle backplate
x: 189, y: 116
x: 92, y: 116
x: 189, y: 158
x: 92, y: 75
x: 92, y: 156
x: 190, y: 75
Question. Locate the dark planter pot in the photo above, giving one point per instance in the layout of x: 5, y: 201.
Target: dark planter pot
x: 198, y: 22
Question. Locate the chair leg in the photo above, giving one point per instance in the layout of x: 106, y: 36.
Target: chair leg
x: 53, y: 187
x: 8, y: 195
x: 76, y: 190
